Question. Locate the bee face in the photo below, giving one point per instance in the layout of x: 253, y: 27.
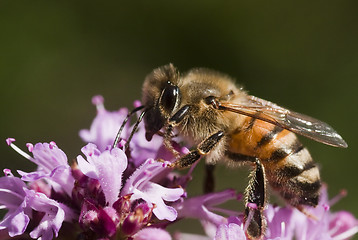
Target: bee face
x: 161, y: 96
x: 226, y: 124
x: 165, y: 94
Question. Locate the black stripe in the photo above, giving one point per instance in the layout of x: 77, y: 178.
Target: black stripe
x: 302, y: 193
x: 310, y: 192
x: 307, y: 188
x: 312, y: 200
x: 296, y: 147
x: 293, y: 199
x: 309, y: 165
x: 251, y: 124
x: 281, y: 153
x: 288, y: 196
x: 237, y: 157
x: 292, y: 171
x: 269, y: 136
x: 312, y: 187
x: 278, y: 154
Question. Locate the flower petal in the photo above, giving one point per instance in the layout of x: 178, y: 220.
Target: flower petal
x: 15, y: 222
x: 200, y: 207
x: 230, y: 231
x: 110, y: 167
x: 48, y: 156
x: 104, y: 128
x: 107, y: 167
x: 51, y: 222
x: 140, y: 186
x: 87, y: 168
x: 12, y: 192
x: 152, y: 234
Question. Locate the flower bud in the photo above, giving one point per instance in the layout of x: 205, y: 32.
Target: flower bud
x: 136, y: 219
x: 122, y: 206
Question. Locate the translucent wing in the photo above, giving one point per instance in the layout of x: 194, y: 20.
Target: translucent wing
x: 292, y: 121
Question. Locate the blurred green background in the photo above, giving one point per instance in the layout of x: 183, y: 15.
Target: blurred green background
x: 55, y: 55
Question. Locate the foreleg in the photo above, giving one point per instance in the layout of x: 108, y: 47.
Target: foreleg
x: 202, y: 149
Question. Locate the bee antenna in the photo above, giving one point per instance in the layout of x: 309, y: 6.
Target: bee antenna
x: 139, y: 119
x: 123, y: 124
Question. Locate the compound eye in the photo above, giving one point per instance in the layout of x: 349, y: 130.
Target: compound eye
x: 169, y: 98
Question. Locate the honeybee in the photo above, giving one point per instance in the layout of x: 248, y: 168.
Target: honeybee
x: 225, y: 124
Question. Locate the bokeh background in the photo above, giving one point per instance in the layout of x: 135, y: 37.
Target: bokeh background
x: 55, y: 55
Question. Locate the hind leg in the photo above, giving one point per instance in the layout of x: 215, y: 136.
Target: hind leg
x: 255, y: 202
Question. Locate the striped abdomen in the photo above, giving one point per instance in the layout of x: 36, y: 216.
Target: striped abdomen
x: 289, y: 167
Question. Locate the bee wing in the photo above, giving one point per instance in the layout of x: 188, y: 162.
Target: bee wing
x: 284, y: 118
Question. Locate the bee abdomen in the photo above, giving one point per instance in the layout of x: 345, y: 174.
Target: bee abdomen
x: 296, y: 176
x: 299, y: 192
x: 289, y: 166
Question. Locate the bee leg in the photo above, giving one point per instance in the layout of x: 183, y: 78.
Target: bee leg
x: 209, y: 181
x: 255, y: 202
x: 203, y: 148
x: 179, y: 115
x: 173, y: 121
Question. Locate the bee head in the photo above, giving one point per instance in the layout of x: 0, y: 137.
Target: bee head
x: 161, y: 97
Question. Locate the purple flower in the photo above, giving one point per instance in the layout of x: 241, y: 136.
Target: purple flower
x: 280, y: 222
x: 97, y: 172
x: 102, y: 221
x: 142, y: 150
x: 106, y: 167
x: 342, y: 225
x: 202, y: 207
x: 321, y: 223
x: 111, y: 194
x: 135, y: 220
x: 316, y: 223
x: 105, y: 127
x: 52, y: 165
x: 53, y: 214
x: 152, y: 234
x: 21, y: 203
x: 140, y: 186
x: 12, y: 197
x: 284, y: 223
x: 233, y: 230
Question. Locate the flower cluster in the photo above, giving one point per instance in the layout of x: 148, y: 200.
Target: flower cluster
x: 107, y: 193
